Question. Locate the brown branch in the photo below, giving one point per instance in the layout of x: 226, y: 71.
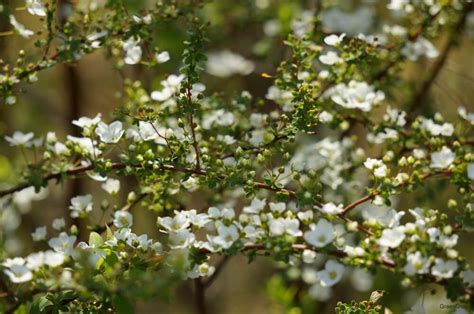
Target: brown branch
x: 368, y: 197
x: 200, y: 172
x: 218, y: 269
x: 418, y: 98
x: 200, y: 296
x: 57, y: 176
x: 389, y: 264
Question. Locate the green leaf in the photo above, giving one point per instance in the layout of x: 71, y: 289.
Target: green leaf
x: 95, y: 240
x: 122, y: 305
x: 39, y: 305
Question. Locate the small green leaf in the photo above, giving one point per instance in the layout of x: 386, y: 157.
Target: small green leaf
x: 122, y: 305
x: 95, y: 240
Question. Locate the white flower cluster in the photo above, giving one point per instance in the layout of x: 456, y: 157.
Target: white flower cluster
x: 258, y: 222
x: 355, y: 95
x: 330, y: 156
x: 226, y: 63
x: 445, y: 129
x: 419, y: 48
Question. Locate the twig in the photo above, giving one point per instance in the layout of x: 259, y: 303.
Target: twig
x: 200, y: 296
x: 219, y: 267
x: 368, y: 197
x: 420, y: 95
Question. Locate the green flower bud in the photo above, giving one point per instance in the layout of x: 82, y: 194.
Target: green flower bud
x: 402, y: 162
x: 74, y: 230
x: 132, y: 197
x: 452, y: 204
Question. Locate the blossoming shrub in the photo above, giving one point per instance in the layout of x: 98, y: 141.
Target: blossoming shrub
x: 307, y: 173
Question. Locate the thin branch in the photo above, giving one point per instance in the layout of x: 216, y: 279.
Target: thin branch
x: 200, y: 172
x: 368, y: 197
x: 418, y: 99
x: 219, y: 267
x: 200, y: 296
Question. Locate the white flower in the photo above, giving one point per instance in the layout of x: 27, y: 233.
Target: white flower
x: 377, y: 166
x: 35, y: 261
x: 123, y: 219
x: 277, y: 207
x: 133, y: 50
x: 417, y: 264
x: 257, y: 137
x: 20, y: 139
x: 10, y: 100
x: 380, y: 172
x: 53, y: 259
x: 39, y: 234
x: 200, y: 220
x: 445, y: 129
x: 360, y: 20
x: 355, y: 95
x: 372, y: 163
x: 442, y: 159
x: 9, y: 262
x: 421, y: 47
x: 334, y: 40
x: 181, y: 239
x: 320, y: 234
x: 110, y: 133
x: 162, y: 57
x: 320, y: 293
x: 58, y: 224
x: 470, y: 171
x: 468, y: 277
x: 281, y: 226
x: 419, y: 153
x: 352, y: 251
x: 35, y: 7
x: 397, y: 4
x: 94, y: 253
x: 18, y: 273
x: 94, y: 38
x: 308, y: 256
x: 448, y: 241
x: 86, y: 122
x: 303, y: 23
x: 332, y: 209
x: 20, y: 28
x: 330, y: 58
x: 255, y: 207
x: 361, y: 280
x: 444, y: 269
x: 391, y: 238
x: 469, y: 116
x: 111, y: 186
x: 331, y: 274
x: 179, y: 222
x: 227, y: 235
x: 63, y: 243
x: 325, y: 117
x: 202, y: 270
x: 226, y: 63
x: 271, y: 28
x: 191, y: 184
x: 80, y: 205
x: 140, y: 242
x: 305, y: 216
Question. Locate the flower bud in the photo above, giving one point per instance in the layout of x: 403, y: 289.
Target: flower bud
x: 452, y: 253
x: 352, y: 226
x: 402, y: 162
x: 452, y: 204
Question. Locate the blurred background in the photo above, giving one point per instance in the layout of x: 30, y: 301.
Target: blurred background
x: 254, y: 29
